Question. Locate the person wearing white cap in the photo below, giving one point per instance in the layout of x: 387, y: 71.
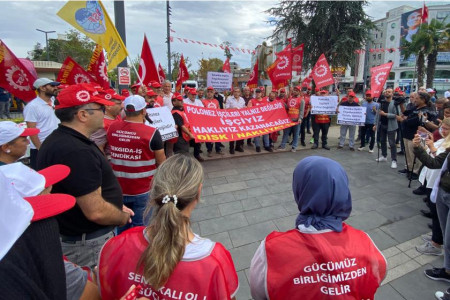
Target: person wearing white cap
x: 134, y: 160
x: 39, y: 113
x: 13, y: 141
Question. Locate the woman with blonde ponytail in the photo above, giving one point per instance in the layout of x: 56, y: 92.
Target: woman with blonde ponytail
x: 166, y: 258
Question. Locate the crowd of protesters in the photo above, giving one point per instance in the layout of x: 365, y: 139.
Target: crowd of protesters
x: 104, y: 211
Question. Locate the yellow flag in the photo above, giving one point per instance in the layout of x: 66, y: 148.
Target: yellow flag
x: 91, y: 18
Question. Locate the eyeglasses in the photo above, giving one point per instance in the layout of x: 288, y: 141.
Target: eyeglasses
x: 102, y: 108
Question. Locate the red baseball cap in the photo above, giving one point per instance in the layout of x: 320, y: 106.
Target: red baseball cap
x: 351, y: 94
x: 369, y: 92
x: 283, y: 90
x: 79, y: 94
x: 155, y: 84
x: 275, y: 90
x: 193, y: 91
x: 125, y: 92
x: 317, y: 89
x: 323, y: 91
x: 151, y: 93
x: 177, y: 96
x: 110, y: 94
x: 210, y: 88
x: 298, y: 87
x: 135, y: 86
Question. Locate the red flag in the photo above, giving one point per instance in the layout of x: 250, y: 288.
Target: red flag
x: 226, y: 66
x: 97, y: 67
x: 147, y: 67
x: 253, y: 81
x: 297, y: 58
x: 183, y: 74
x: 378, y: 78
x: 162, y: 76
x: 307, y: 82
x: 321, y: 73
x: 16, y: 78
x: 72, y: 73
x: 277, y: 74
x: 285, y: 59
x: 424, y: 18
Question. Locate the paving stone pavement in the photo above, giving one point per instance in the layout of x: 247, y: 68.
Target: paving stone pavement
x: 246, y: 197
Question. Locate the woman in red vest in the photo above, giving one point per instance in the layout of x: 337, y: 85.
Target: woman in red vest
x: 323, y: 258
x: 166, y: 258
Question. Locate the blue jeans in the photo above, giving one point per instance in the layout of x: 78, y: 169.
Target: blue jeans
x: 257, y: 141
x: 137, y: 204
x: 287, y: 132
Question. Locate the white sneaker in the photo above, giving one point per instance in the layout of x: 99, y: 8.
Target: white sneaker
x: 426, y: 237
x: 370, y: 150
x: 293, y: 149
x: 394, y: 164
x: 429, y: 249
x: 381, y: 158
x: 361, y: 148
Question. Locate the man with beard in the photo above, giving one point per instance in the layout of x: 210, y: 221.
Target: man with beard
x: 367, y: 132
x: 39, y: 113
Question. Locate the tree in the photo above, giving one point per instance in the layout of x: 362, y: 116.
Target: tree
x: 75, y: 45
x: 209, y: 65
x: 335, y: 28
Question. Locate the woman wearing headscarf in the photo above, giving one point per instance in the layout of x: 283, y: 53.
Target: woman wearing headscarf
x: 166, y: 258
x: 322, y: 256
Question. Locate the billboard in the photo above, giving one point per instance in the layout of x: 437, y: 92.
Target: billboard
x: 410, y: 24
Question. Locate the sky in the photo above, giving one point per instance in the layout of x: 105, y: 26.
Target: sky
x: 243, y: 23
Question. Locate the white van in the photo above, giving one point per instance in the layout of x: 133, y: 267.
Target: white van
x: 188, y: 83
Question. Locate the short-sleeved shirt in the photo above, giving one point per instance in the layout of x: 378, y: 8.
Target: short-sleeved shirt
x: 197, y: 102
x: 43, y: 114
x: 89, y: 170
x: 235, y: 103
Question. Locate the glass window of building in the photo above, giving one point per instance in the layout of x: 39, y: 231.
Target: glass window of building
x: 393, y: 25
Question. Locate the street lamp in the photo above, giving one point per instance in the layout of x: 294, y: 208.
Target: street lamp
x: 46, y: 40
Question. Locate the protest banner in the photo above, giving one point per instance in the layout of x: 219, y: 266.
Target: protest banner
x: 351, y: 115
x: 220, y: 81
x: 324, y: 105
x: 163, y: 120
x: 216, y: 125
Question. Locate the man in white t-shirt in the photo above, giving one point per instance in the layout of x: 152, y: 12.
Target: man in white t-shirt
x: 39, y: 113
x: 237, y: 102
x: 191, y: 100
x: 167, y: 94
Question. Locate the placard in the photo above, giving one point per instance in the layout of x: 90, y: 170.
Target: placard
x: 220, y: 81
x: 124, y: 76
x: 324, y: 105
x: 225, y: 125
x: 163, y: 120
x: 351, y: 115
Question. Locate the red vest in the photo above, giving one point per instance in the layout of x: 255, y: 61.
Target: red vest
x: 256, y: 102
x: 132, y: 160
x: 321, y: 119
x: 211, y: 103
x: 211, y: 277
x: 307, y: 105
x: 185, y: 123
x: 294, y: 105
x: 333, y: 265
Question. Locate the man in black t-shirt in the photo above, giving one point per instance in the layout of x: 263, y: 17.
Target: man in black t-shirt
x: 99, y: 208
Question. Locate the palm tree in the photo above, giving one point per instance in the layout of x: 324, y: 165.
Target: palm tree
x: 430, y: 39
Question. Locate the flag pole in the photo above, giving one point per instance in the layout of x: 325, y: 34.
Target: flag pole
x: 134, y: 68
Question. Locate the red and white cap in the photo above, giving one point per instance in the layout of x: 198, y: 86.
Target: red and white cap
x: 80, y: 94
x: 21, y: 202
x: 110, y: 94
x: 155, y: 84
x: 10, y: 131
x: 151, y: 93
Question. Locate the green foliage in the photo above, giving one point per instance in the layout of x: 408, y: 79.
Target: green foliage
x: 335, y: 28
x: 76, y: 45
x: 209, y: 65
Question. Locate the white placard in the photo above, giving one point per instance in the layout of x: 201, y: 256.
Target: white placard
x: 124, y: 75
x: 163, y: 120
x: 324, y: 105
x: 351, y: 115
x: 220, y: 81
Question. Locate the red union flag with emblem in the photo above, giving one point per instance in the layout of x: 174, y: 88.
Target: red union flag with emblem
x: 379, y: 75
x: 183, y: 74
x: 226, y: 66
x: 15, y: 77
x: 161, y: 74
x: 97, y: 67
x: 72, y: 73
x: 284, y: 65
x: 253, y: 78
x: 278, y: 76
x: 147, y: 67
x: 297, y: 58
x: 321, y: 73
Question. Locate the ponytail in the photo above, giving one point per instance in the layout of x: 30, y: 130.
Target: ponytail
x: 174, y: 186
